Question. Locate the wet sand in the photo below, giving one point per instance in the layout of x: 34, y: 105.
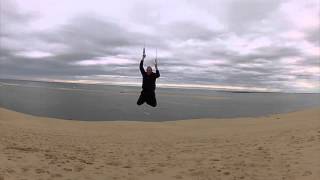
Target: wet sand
x: 282, y: 146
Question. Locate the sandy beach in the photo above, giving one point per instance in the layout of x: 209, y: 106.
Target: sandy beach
x: 282, y: 146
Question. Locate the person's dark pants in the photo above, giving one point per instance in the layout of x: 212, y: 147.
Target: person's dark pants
x: 149, y: 97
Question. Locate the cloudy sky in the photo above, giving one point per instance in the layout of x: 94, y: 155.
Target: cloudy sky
x: 224, y: 44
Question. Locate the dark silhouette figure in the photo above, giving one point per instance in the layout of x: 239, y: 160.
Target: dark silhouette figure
x: 149, y: 84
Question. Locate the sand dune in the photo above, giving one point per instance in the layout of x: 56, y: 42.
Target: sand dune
x: 284, y: 147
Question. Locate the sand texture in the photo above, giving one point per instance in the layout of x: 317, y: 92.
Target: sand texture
x: 277, y: 147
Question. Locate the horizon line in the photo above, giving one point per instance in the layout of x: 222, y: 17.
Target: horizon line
x: 169, y: 85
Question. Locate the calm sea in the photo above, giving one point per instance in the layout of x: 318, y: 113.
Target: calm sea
x: 108, y: 102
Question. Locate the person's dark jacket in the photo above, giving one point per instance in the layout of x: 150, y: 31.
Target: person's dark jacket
x: 149, y: 81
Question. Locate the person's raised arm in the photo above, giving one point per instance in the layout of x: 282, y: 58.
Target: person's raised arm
x: 157, y: 70
x: 143, y: 72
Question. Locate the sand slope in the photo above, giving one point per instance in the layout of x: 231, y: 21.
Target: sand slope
x: 280, y: 147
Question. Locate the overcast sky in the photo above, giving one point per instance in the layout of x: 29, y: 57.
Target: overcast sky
x: 232, y: 44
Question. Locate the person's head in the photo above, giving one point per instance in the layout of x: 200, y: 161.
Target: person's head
x: 149, y: 70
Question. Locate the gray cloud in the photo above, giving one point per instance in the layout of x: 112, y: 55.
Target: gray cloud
x: 314, y: 36
x: 90, y: 46
x: 241, y: 15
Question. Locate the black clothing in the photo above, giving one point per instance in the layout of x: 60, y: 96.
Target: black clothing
x: 148, y: 87
x: 149, y: 81
x: 149, y: 97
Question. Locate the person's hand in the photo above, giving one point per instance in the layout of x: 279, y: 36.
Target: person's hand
x: 144, y: 54
x: 156, y: 63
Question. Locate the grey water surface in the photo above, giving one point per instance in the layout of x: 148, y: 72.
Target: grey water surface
x: 109, y: 102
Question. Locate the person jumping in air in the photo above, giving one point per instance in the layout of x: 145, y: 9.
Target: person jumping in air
x: 149, y: 83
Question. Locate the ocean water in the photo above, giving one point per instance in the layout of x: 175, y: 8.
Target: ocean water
x: 109, y: 103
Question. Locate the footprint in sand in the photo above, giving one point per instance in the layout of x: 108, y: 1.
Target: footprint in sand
x: 85, y: 161
x: 113, y: 163
x: 260, y: 148
x: 215, y: 159
x: 25, y: 169
x: 312, y: 138
x: 178, y: 176
x: 154, y: 170
x: 161, y: 164
x: 127, y: 166
x: 226, y: 173
x: 78, y: 168
x: 67, y: 169
x: 40, y: 171
x: 307, y: 173
x: 56, y: 175
x: 10, y: 171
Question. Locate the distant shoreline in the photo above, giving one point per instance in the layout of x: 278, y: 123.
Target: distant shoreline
x: 162, y: 86
x: 98, y: 102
